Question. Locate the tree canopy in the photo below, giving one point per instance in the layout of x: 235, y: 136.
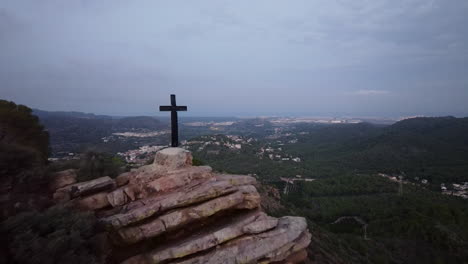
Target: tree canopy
x: 24, y: 143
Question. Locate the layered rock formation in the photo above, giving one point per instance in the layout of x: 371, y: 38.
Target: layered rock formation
x: 173, y: 212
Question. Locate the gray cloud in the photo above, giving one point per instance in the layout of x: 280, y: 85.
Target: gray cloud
x: 371, y: 92
x: 264, y: 57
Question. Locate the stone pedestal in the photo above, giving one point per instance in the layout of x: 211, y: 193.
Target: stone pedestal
x: 173, y: 158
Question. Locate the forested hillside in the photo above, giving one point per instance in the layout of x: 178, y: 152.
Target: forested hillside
x: 357, y: 216
x: 432, y: 148
x: 77, y: 132
x: 435, y: 149
x: 30, y: 230
x: 24, y: 143
x: 366, y: 219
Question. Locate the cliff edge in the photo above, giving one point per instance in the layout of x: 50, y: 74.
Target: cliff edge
x: 173, y: 212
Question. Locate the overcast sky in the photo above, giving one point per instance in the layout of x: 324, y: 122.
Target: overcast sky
x: 252, y: 57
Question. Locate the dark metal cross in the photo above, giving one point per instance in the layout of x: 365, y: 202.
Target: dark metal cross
x: 174, y: 125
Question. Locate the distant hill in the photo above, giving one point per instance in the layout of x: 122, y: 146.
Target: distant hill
x: 138, y: 122
x: 432, y: 148
x: 47, y: 114
x: 255, y: 127
x: 72, y: 131
x: 68, y: 133
x: 418, y: 224
x: 435, y: 149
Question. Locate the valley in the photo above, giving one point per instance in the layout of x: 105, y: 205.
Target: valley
x: 372, y: 193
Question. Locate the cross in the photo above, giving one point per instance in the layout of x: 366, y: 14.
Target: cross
x: 174, y: 126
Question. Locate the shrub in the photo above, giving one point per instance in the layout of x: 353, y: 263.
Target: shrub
x: 97, y: 164
x: 197, y: 162
x: 56, y: 235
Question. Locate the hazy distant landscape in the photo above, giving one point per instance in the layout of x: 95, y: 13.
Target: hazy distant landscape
x: 322, y: 168
x: 406, y: 181
x: 324, y: 146
x: 431, y: 152
x: 67, y: 129
x: 273, y: 132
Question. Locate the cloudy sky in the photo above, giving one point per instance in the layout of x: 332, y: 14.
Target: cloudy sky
x: 240, y: 57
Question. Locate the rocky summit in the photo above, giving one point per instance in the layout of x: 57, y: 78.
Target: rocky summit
x: 173, y: 212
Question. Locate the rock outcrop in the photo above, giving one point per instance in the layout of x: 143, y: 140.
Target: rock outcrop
x: 173, y: 212
x: 62, y: 179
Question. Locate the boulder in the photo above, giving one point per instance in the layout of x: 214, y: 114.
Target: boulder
x: 61, y: 195
x: 129, y: 192
x: 251, y: 197
x: 92, y: 186
x: 178, y: 178
x: 93, y: 202
x: 145, y: 208
x: 237, y: 179
x: 264, y: 246
x: 145, y: 174
x: 83, y: 188
x: 297, y: 257
x: 173, y: 158
x: 117, y: 197
x: 291, y: 248
x: 179, y: 218
x: 123, y: 179
x: 63, y: 178
x: 261, y: 225
x: 172, y: 212
x: 199, y: 242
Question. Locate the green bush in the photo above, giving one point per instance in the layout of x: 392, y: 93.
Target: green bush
x: 197, y: 162
x: 97, y: 164
x: 56, y: 235
x: 24, y: 147
x: 20, y: 127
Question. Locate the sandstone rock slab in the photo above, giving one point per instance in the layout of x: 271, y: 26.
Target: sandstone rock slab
x: 117, y: 197
x: 179, y: 218
x: 145, y: 208
x: 178, y: 178
x: 145, y: 174
x: 237, y: 179
x: 172, y: 212
x: 261, y: 225
x: 267, y: 247
x: 200, y: 242
x: 173, y: 158
x: 252, y: 198
x: 92, y: 186
x: 63, y: 178
x: 123, y: 179
x: 93, y: 202
x: 84, y: 188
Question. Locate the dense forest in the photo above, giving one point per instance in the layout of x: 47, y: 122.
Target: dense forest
x: 24, y: 146
x: 80, y: 132
x: 33, y: 229
x: 432, y: 148
x: 366, y: 219
x: 355, y: 215
x: 435, y: 149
